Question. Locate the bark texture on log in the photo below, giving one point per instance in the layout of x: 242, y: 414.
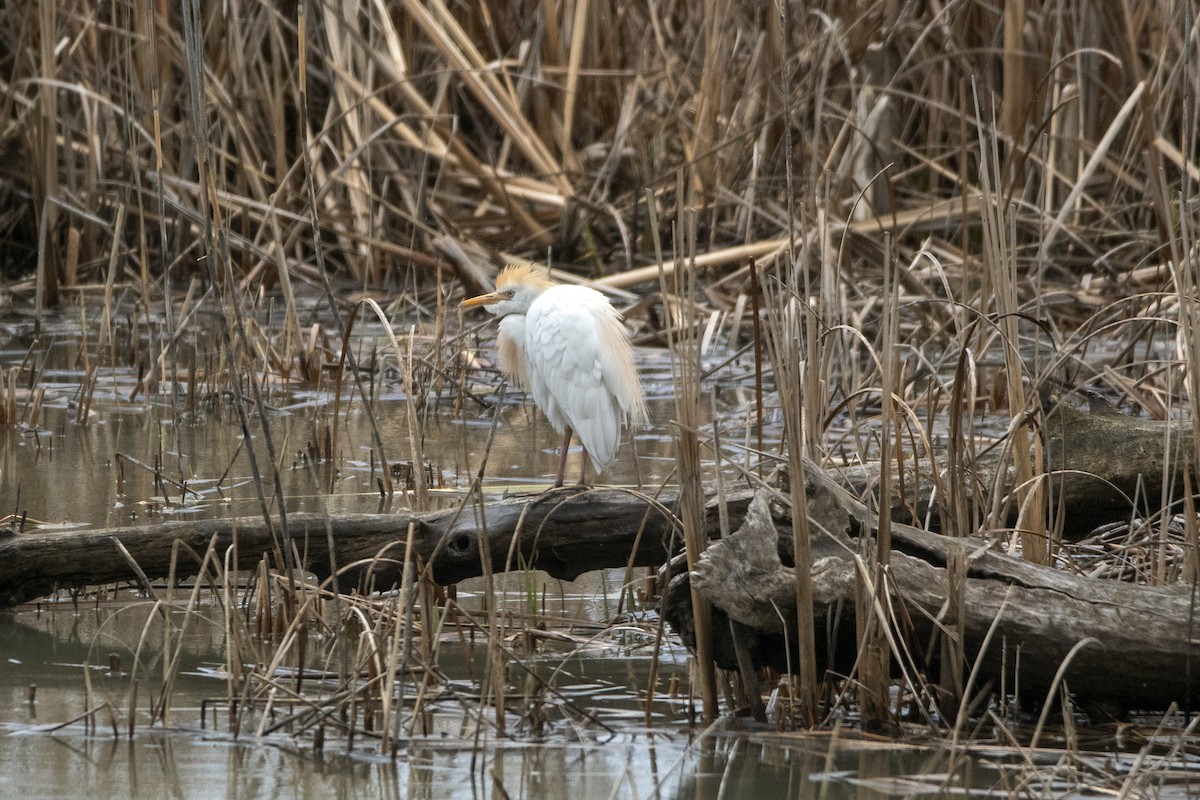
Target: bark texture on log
x: 1096, y: 462
x: 1138, y: 645
x: 565, y: 533
x: 1134, y: 646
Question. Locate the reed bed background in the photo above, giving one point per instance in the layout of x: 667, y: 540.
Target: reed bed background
x: 438, y: 132
x: 948, y: 206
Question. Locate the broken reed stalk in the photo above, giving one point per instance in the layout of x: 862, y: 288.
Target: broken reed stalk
x: 786, y: 331
x: 292, y: 348
x: 756, y: 332
x: 492, y: 684
x: 8, y: 396
x: 318, y: 250
x: 875, y: 652
x: 412, y: 417
x: 399, y: 651
x: 963, y: 499
x: 702, y: 151
x: 47, y: 156
x: 579, y: 27
x: 999, y: 252
x: 682, y: 333
x: 114, y: 263
x: 1184, y: 274
x: 217, y: 260
x: 1017, y: 88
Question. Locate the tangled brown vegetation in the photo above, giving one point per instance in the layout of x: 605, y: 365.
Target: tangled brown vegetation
x: 444, y: 132
x: 949, y: 204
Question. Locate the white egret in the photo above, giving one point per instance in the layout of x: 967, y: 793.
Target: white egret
x: 566, y: 345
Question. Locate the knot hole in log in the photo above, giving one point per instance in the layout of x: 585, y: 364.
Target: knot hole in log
x: 463, y: 543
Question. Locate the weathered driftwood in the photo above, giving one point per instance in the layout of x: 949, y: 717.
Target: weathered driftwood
x: 565, y: 533
x: 1134, y: 646
x: 1096, y: 463
x: 587, y: 531
x: 1139, y: 643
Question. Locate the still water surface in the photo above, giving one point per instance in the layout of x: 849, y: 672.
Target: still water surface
x: 59, y: 659
x: 51, y: 646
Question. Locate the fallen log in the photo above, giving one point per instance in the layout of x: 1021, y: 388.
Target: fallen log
x: 565, y: 533
x: 1096, y: 462
x: 1118, y: 646
x: 1138, y: 644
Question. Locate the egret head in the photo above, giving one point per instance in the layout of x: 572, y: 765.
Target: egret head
x: 517, y: 286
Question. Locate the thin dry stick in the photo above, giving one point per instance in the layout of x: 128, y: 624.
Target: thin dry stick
x: 1017, y: 90
x: 401, y: 651
x: 875, y: 663
x: 48, y: 158
x: 1001, y: 260
x: 784, y: 331
x: 578, y: 29
x: 756, y: 297
x: 685, y: 374
x: 415, y: 438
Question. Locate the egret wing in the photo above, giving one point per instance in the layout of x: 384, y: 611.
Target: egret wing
x: 620, y: 371
x: 565, y: 351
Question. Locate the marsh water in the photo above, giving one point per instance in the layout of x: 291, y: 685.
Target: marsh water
x: 51, y: 648
x: 115, y: 452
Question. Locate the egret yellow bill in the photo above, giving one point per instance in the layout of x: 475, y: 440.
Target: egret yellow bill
x: 567, y: 345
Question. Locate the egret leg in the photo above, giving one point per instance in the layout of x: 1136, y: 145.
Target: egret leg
x: 562, y: 458
x: 583, y: 462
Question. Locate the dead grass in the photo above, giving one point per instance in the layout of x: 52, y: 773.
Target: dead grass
x: 949, y: 205
x: 512, y: 133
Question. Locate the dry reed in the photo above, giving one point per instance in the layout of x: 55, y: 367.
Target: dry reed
x: 923, y: 222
